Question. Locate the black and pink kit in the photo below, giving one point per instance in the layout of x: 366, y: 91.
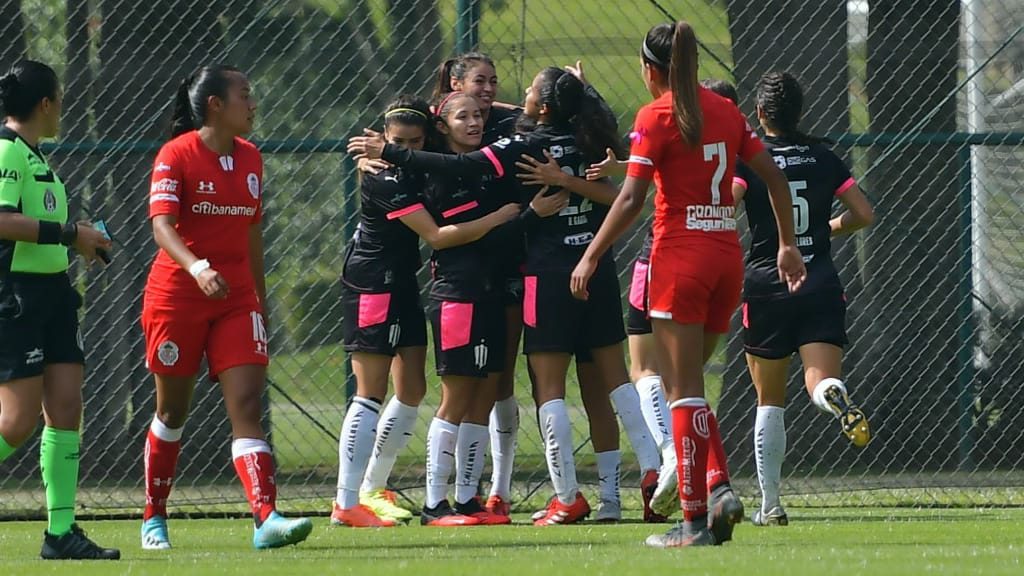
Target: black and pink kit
x: 380, y: 295
x: 637, y: 321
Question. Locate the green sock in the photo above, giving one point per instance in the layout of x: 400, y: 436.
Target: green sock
x: 5, y: 449
x: 58, y: 459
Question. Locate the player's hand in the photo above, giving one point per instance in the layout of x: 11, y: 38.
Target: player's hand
x: 792, y: 271
x: 548, y: 205
x: 213, y: 284
x: 88, y: 241
x: 610, y: 166
x: 537, y: 173
x: 370, y: 145
x: 581, y: 276
x: 577, y: 71
x: 508, y: 212
x: 368, y: 166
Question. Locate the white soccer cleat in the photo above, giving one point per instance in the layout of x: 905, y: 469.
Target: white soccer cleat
x: 666, y: 495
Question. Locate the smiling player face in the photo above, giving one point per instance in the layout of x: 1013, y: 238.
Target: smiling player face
x: 463, y: 125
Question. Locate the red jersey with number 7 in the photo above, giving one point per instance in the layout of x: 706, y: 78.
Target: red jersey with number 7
x: 216, y: 199
x: 693, y: 202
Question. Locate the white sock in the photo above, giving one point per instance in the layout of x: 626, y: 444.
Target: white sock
x: 769, y: 452
x: 441, y: 439
x: 504, y: 428
x: 557, y: 431
x: 354, y: 447
x: 818, y: 395
x: 470, y: 449
x: 608, y: 475
x: 393, y: 433
x: 655, y: 409
x: 163, y: 432
x: 627, y: 404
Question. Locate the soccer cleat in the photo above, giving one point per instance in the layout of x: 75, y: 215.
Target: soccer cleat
x: 774, y: 517
x: 678, y: 537
x: 359, y: 516
x: 726, y: 512
x: 608, y: 511
x: 648, y: 484
x: 154, y: 534
x: 443, y: 515
x: 382, y: 504
x: 543, y: 511
x: 558, y: 513
x: 277, y: 531
x: 498, y: 505
x: 473, y: 509
x: 854, y: 422
x: 75, y: 545
x: 665, y: 499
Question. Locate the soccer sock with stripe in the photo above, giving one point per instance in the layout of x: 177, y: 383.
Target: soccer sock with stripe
x: 160, y: 461
x: 558, y: 449
x: 627, y: 405
x: 504, y: 428
x: 690, y: 436
x: 58, y: 462
x: 254, y: 464
x: 441, y: 439
x: 769, y: 452
x: 655, y: 409
x: 5, y: 449
x: 470, y: 449
x: 394, y: 429
x: 355, y: 444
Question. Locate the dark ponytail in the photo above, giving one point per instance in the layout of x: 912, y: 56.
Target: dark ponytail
x: 456, y: 68
x: 573, y: 107
x: 781, y: 100
x: 194, y: 92
x: 682, y: 75
x: 25, y: 86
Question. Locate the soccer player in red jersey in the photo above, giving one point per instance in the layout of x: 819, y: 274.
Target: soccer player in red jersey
x: 205, y: 295
x: 687, y: 141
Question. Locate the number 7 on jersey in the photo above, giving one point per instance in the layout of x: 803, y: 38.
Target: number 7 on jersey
x: 710, y: 152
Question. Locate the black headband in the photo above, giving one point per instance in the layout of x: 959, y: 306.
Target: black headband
x: 649, y: 54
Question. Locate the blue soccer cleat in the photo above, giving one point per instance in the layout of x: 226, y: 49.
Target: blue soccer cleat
x: 154, y: 534
x: 277, y: 531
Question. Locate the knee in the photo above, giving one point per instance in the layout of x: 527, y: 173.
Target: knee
x: 172, y: 417
x: 412, y: 391
x: 17, y: 426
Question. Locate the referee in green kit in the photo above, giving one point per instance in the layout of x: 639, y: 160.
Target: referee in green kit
x: 41, y: 357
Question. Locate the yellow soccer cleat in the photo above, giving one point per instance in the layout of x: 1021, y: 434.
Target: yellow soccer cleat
x: 854, y: 422
x: 382, y: 503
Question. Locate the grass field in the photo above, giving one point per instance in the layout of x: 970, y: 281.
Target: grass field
x: 848, y: 541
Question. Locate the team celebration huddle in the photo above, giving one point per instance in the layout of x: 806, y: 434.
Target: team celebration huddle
x: 521, y: 206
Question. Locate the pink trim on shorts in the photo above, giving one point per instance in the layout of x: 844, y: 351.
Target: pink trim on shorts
x: 373, y: 309
x: 746, y: 316
x: 459, y: 209
x: 494, y: 160
x: 530, y: 301
x: 638, y: 289
x: 845, y: 186
x: 456, y: 324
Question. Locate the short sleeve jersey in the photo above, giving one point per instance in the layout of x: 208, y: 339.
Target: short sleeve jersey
x: 216, y: 200
x: 693, y: 202
x: 816, y: 178
x: 383, y: 252
x: 30, y: 187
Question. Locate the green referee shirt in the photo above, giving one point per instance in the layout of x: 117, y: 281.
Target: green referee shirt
x: 29, y: 186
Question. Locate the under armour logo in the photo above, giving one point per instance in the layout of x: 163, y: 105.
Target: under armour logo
x: 206, y: 187
x: 480, y: 354
x: 227, y: 163
x: 158, y: 482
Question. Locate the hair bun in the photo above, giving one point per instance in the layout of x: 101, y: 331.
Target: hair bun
x: 9, y: 82
x: 569, y: 92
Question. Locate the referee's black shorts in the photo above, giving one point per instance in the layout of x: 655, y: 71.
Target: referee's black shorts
x: 38, y: 324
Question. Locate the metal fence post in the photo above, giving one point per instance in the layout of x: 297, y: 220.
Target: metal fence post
x: 965, y: 356
x: 467, y: 25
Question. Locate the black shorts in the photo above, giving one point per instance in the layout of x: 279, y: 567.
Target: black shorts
x: 555, y: 321
x: 512, y: 290
x: 776, y: 329
x: 469, y: 337
x: 380, y: 323
x: 637, y: 321
x: 38, y: 325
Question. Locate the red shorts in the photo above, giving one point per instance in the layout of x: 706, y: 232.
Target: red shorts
x: 179, y: 331
x: 696, y: 284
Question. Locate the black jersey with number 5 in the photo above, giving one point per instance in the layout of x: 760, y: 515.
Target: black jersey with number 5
x: 383, y: 251
x: 816, y: 178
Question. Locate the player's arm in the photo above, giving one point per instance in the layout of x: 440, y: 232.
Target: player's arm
x: 535, y: 172
x: 496, y: 159
x: 451, y: 235
x: 256, y: 263
x: 858, y: 214
x: 610, y: 166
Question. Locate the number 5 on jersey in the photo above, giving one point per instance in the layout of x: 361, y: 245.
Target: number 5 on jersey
x: 801, y: 207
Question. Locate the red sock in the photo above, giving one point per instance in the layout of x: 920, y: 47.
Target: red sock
x: 160, y: 460
x: 690, y: 436
x: 718, y: 466
x: 256, y: 471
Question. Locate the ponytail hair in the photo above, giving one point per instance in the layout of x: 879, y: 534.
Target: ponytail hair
x: 683, y: 81
x: 26, y: 84
x: 781, y: 100
x: 456, y: 68
x: 193, y: 95
x: 577, y: 109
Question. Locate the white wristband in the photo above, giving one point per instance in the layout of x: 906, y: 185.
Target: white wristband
x: 198, y: 267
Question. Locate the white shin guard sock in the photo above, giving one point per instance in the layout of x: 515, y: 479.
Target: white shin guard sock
x: 441, y: 439
x: 558, y: 449
x: 470, y: 449
x: 769, y: 452
x: 355, y: 444
x: 608, y: 465
x: 818, y: 394
x: 655, y: 409
x: 626, y: 401
x: 393, y: 433
x: 504, y: 428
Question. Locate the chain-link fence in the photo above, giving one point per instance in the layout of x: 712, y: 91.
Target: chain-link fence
x: 923, y: 97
